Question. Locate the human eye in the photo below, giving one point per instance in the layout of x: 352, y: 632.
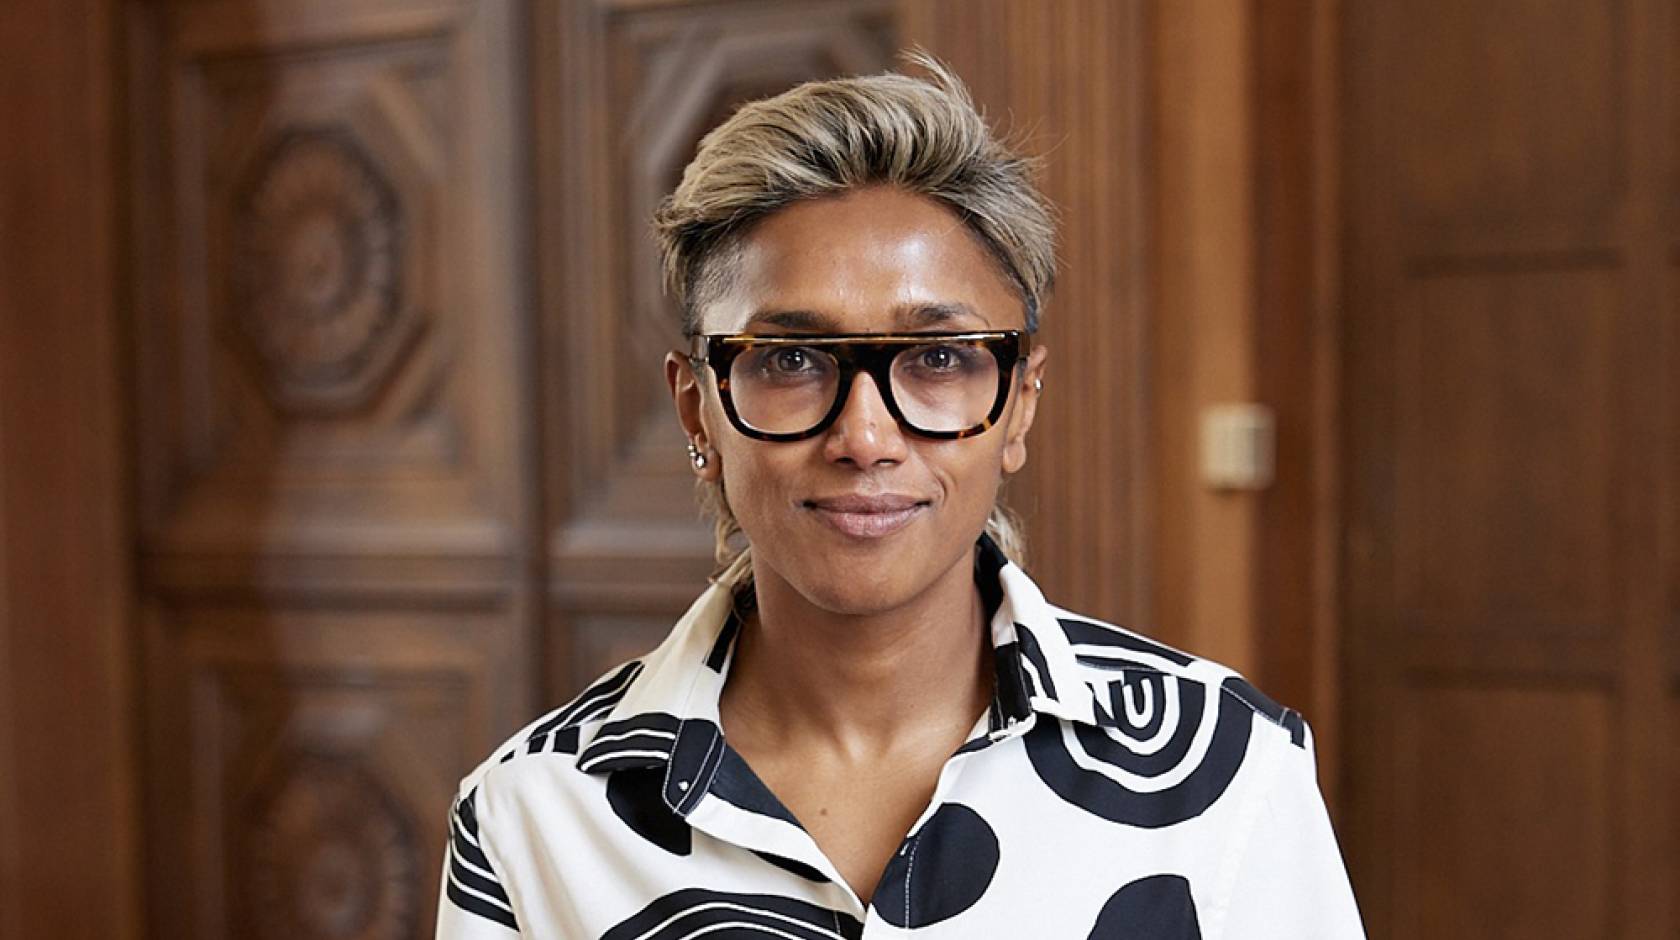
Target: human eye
x: 792, y: 360
x: 789, y: 363
x: 944, y: 360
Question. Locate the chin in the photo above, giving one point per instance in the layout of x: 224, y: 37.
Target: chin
x: 854, y: 596
x: 866, y: 578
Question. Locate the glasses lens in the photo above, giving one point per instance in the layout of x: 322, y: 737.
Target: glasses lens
x: 945, y: 387
x: 783, y: 389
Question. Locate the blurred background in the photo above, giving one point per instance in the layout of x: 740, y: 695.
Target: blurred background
x: 334, y: 446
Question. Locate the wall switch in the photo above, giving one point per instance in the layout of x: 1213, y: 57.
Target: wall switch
x: 1239, y: 446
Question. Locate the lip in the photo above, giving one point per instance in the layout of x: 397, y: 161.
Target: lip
x: 867, y: 517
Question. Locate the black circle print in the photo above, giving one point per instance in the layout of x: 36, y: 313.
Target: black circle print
x: 1154, y: 908
x: 940, y: 871
x: 718, y: 915
x: 1157, y: 775
x: 637, y: 797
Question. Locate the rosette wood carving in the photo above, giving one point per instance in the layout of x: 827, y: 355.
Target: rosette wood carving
x: 331, y: 854
x: 319, y: 248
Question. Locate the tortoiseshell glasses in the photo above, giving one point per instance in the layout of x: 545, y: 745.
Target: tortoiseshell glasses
x: 944, y: 386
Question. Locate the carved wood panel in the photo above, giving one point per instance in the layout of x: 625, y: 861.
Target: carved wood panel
x: 305, y: 755
x: 316, y: 336
x: 334, y: 498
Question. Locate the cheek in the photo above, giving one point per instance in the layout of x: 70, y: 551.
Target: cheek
x: 758, y: 479
x: 763, y: 480
x: 969, y: 473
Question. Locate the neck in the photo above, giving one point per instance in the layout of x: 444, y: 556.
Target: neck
x: 863, y: 684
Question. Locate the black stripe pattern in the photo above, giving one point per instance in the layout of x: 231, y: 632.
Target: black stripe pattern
x: 1069, y: 819
x: 473, y: 885
x: 1288, y: 719
x: 643, y: 740
x: 592, y: 702
x: 696, y: 912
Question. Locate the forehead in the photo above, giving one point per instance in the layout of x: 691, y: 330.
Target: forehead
x: 871, y: 261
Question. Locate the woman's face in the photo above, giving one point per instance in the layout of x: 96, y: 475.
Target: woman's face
x: 865, y: 516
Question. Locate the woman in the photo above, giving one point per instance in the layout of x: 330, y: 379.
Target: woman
x: 872, y: 722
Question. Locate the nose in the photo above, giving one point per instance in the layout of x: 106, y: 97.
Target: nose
x: 865, y: 434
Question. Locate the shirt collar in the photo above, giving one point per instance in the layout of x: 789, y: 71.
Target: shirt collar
x: 669, y: 713
x: 1037, y: 671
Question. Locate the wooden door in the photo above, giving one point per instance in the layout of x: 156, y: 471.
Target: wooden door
x: 1510, y: 468
x: 329, y: 310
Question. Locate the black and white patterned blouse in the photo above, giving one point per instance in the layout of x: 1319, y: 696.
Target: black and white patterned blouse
x: 1117, y: 788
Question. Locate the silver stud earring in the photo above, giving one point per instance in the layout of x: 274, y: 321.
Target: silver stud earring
x: 696, y: 457
x: 1038, y: 385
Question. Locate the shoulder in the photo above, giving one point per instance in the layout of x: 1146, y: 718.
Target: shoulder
x: 555, y: 736
x: 1106, y: 654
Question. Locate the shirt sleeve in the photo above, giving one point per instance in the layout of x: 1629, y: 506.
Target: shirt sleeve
x: 473, y: 904
x: 1291, y: 882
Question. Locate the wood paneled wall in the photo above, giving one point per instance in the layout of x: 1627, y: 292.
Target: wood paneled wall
x: 69, y: 820
x: 403, y: 469
x: 1296, y: 349
x: 1073, y: 82
x: 332, y: 444
x: 1510, y: 467
x: 336, y: 491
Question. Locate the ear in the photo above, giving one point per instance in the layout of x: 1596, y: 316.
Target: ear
x: 689, y: 396
x: 1026, y: 408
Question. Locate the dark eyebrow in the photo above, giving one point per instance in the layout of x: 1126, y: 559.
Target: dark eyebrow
x: 905, y: 316
x: 911, y: 316
x: 807, y: 321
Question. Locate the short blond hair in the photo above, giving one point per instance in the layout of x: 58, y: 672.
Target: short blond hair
x: 826, y: 138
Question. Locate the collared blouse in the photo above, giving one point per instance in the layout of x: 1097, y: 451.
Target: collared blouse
x: 1115, y: 788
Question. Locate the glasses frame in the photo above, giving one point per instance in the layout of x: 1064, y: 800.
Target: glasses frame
x: 872, y: 353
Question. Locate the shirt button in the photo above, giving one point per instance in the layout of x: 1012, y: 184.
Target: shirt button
x: 682, y: 785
